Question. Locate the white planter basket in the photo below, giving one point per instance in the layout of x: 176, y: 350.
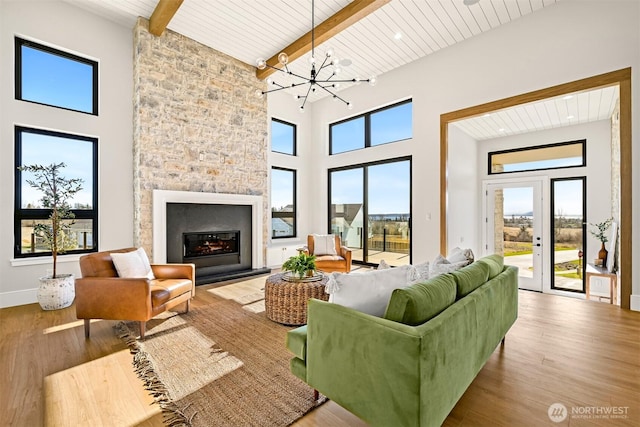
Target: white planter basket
x: 57, y: 293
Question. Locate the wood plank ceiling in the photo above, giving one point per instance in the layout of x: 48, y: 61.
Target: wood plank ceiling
x: 397, y: 33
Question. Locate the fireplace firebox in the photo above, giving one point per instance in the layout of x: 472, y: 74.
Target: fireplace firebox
x: 208, y: 249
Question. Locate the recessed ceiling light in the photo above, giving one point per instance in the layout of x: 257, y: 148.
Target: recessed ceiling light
x: 487, y: 115
x: 567, y: 97
x: 569, y: 117
x: 501, y: 130
x: 397, y: 36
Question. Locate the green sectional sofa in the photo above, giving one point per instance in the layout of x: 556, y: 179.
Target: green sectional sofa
x: 410, y: 367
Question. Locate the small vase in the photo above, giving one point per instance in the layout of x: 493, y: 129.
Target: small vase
x: 602, y: 254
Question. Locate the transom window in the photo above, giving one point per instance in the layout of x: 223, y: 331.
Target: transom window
x: 552, y: 156
x: 49, y: 76
x: 80, y: 155
x: 382, y: 126
x: 283, y: 137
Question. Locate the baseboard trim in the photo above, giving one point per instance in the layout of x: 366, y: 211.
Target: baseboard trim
x: 14, y: 298
x: 635, y: 302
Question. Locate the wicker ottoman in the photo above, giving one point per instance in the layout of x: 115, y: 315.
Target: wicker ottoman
x: 286, y: 302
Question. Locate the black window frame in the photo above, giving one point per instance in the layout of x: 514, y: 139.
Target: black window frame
x: 283, y: 214
x: 367, y: 128
x: 295, y: 137
x: 365, y: 200
x: 583, y: 142
x: 20, y: 42
x: 21, y: 214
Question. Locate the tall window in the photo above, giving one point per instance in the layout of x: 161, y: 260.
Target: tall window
x: 80, y: 155
x: 370, y: 208
x: 283, y: 137
x: 48, y: 76
x: 382, y: 126
x: 283, y: 203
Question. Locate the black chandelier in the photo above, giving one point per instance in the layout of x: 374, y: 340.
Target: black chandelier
x: 328, y: 84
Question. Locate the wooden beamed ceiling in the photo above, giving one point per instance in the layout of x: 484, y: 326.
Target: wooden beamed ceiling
x: 162, y: 14
x: 339, y: 21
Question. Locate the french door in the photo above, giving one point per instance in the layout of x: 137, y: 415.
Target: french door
x: 514, y: 227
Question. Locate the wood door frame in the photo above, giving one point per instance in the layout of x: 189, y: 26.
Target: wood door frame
x: 622, y: 78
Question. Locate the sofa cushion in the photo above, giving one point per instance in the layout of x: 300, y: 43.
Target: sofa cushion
x: 470, y: 277
x: 368, y: 292
x: 495, y: 263
x: 420, y: 302
x: 163, y: 290
x: 297, y: 342
x: 133, y: 264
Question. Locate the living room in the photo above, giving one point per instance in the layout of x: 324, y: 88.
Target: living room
x: 144, y: 144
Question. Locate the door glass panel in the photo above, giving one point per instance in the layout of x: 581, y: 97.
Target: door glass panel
x: 514, y: 229
x: 347, y: 208
x: 568, y: 234
x: 388, y: 211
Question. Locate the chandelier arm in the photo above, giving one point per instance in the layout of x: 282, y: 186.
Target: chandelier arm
x: 342, y: 81
x: 306, y: 97
x: 284, y: 87
x: 334, y: 95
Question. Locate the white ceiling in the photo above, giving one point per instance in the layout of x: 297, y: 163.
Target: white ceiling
x: 252, y: 29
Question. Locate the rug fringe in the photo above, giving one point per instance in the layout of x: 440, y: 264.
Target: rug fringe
x: 173, y: 416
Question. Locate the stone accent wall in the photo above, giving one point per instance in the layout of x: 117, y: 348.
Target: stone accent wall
x: 198, y: 125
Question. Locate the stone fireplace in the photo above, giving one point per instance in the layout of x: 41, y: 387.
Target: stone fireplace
x: 220, y: 233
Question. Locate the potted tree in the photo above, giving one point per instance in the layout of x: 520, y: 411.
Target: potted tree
x: 57, y: 290
x: 301, y: 266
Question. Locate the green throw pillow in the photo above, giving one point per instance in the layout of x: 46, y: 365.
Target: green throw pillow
x: 422, y: 301
x: 470, y: 277
x: 495, y: 263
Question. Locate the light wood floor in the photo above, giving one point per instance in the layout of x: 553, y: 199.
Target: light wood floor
x: 583, y: 354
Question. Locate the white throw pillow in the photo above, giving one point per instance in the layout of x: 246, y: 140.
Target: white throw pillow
x: 368, y: 292
x: 460, y: 255
x: 134, y: 264
x: 441, y: 265
x: 324, y: 244
x: 383, y: 265
x: 421, y: 271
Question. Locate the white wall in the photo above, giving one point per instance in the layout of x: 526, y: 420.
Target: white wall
x: 68, y: 28
x: 463, y: 201
x: 568, y: 41
x: 283, y: 107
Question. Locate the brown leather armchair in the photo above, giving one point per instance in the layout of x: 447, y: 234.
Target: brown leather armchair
x: 101, y: 294
x: 340, y: 262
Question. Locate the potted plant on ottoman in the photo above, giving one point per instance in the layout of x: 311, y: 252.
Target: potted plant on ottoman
x: 302, y: 265
x: 55, y: 291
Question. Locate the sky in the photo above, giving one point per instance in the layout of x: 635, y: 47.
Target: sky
x: 54, y: 80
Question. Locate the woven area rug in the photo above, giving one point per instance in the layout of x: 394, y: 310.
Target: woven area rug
x: 219, y: 365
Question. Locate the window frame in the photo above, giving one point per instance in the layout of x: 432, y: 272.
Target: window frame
x: 582, y: 142
x: 295, y: 137
x: 294, y: 213
x: 20, y: 42
x: 21, y: 214
x: 367, y: 127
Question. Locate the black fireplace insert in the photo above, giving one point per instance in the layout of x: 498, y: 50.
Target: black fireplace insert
x: 218, y: 247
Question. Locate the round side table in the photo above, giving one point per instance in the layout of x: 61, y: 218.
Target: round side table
x: 286, y: 302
